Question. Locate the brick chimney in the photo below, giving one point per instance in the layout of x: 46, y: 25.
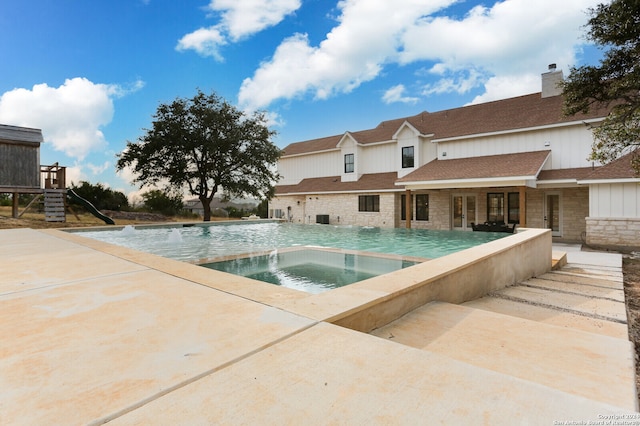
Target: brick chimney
x: 551, y: 81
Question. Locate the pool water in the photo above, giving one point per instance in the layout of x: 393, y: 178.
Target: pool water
x: 213, y: 241
x: 309, y: 269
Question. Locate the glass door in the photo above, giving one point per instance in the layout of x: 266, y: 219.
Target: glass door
x: 463, y: 211
x: 553, y: 213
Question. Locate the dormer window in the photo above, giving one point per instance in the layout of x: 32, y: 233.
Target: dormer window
x: 348, y: 163
x: 407, y: 157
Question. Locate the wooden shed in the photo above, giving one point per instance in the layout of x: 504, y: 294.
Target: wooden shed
x: 20, y: 159
x: 22, y: 173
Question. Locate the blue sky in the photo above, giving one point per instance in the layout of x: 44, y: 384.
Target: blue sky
x: 91, y: 74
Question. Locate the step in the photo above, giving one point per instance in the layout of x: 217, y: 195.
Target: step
x: 593, y: 273
x: 593, y: 366
x: 604, y: 309
x: 551, y: 316
x: 575, y: 288
x: 580, y: 279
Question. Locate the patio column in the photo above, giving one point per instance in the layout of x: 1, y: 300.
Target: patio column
x: 407, y: 208
x: 523, y: 207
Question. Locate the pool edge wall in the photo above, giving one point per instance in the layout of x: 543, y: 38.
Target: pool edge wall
x: 455, y: 278
x: 372, y: 303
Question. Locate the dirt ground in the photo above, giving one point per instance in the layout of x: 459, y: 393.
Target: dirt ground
x: 631, y: 273
x: 36, y: 220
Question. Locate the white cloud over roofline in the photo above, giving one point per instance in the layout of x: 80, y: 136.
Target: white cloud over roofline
x: 397, y: 94
x: 505, y: 45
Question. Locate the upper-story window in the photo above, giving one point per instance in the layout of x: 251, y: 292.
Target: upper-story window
x: 407, y: 157
x: 348, y: 163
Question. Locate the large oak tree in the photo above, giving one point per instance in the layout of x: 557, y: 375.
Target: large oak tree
x: 614, y: 27
x: 205, y: 145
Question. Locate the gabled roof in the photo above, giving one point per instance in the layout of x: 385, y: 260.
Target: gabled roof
x: 522, y: 112
x: 487, y: 169
x: 619, y: 169
x: 333, y: 184
x: 572, y: 175
x: 20, y: 134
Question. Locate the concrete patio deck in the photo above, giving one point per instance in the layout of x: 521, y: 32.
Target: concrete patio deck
x: 92, y: 333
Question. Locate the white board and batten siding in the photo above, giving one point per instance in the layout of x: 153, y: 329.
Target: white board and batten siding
x: 614, y: 200
x: 294, y: 169
x: 570, y: 145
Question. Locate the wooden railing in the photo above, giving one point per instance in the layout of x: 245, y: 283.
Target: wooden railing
x: 54, y: 176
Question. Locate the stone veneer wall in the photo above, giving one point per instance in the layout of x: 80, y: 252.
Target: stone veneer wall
x: 620, y: 233
x: 439, y: 211
x: 341, y: 208
x: 575, y: 208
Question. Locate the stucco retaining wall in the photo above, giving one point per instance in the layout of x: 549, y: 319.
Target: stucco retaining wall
x: 456, y: 278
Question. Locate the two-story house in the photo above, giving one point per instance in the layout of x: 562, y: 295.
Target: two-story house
x: 517, y: 160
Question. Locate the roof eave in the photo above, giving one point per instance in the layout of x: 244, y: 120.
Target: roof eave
x: 471, y: 183
x: 607, y: 181
x: 355, y: 191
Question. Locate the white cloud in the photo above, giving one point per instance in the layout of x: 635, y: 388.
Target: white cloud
x: 367, y: 37
x: 510, y: 43
x: 508, y: 86
x: 396, y: 94
x: 460, y: 82
x: 504, y: 46
x: 97, y: 169
x: 70, y: 116
x: 238, y: 20
x: 73, y: 174
x: 247, y: 17
x: 205, y: 41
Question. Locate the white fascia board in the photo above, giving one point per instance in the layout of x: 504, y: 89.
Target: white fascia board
x: 360, y: 191
x: 471, y: 183
x: 310, y: 153
x: 557, y: 183
x: 522, y: 130
x: 413, y: 129
x: 607, y: 181
x: 344, y: 137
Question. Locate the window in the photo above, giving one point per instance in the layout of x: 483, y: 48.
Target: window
x: 422, y: 206
x: 514, y: 207
x: 407, y: 157
x: 495, y: 207
x: 369, y: 203
x: 403, y: 207
x: 348, y: 163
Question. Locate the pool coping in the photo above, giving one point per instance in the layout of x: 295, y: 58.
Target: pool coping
x: 371, y: 303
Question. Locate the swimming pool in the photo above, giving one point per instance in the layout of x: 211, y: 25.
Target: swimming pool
x: 202, y: 242
x: 258, y: 242
x: 312, y: 269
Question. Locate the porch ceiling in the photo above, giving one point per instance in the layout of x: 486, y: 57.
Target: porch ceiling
x: 520, y: 169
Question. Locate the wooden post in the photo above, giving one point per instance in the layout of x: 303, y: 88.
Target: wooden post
x: 407, y: 208
x: 523, y: 207
x: 14, y: 209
